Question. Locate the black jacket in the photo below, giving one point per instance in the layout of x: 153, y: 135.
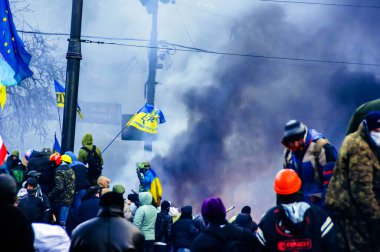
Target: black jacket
x: 35, y: 209
x: 297, y: 226
x: 184, y: 232
x: 217, y: 238
x: 163, y: 228
x: 109, y: 232
x: 39, y: 161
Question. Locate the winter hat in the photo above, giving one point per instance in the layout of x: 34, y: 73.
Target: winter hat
x: 72, y: 155
x: 373, y: 120
x: 104, y: 182
x: 118, y: 189
x: 294, y: 130
x: 213, y: 210
x: 246, y: 210
x: 15, y: 153
x: 34, y: 173
x: 133, y: 197
x: 165, y: 205
x: 111, y: 199
x: 7, y: 189
x: 31, y: 181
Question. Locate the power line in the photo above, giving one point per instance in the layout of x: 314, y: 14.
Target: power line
x: 326, y: 4
x: 199, y: 50
x: 183, y: 48
x: 83, y: 36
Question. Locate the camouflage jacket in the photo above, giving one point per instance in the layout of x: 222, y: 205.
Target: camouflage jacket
x: 354, y: 189
x: 64, y: 185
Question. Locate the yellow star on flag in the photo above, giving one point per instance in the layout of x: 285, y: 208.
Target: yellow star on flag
x: 5, y: 19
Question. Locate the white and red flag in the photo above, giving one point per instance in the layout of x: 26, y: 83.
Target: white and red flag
x: 3, y: 151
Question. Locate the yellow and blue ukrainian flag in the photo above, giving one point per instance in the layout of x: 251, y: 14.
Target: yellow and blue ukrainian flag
x: 147, y: 119
x: 60, y: 96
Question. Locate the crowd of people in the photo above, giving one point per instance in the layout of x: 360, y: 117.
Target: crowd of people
x: 325, y: 201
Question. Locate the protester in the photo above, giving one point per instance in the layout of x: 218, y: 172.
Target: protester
x: 17, y: 233
x: 127, y: 210
x: 90, y: 205
x: 219, y: 234
x: 16, y: 169
x: 39, y: 161
x: 91, y: 155
x: 293, y: 224
x: 133, y: 202
x: 163, y: 228
x: 81, y: 180
x: 312, y: 157
x: 62, y: 195
x: 145, y: 219
x: 184, y: 230
x: 353, y: 194
x: 149, y: 182
x: 109, y: 231
x: 35, y: 207
x: 359, y: 115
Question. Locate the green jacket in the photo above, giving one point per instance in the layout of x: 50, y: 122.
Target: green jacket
x: 64, y: 185
x: 354, y: 189
x: 145, y: 216
x: 360, y: 114
x: 87, y: 141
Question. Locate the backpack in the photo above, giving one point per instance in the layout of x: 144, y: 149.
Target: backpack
x: 94, y: 162
x: 228, y: 243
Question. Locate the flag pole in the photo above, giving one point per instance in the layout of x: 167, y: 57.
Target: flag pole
x: 115, y: 138
x: 59, y: 119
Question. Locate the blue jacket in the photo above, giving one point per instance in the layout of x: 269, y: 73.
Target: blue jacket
x: 314, y: 167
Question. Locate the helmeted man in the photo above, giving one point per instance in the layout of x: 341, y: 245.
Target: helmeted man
x: 295, y: 225
x: 62, y: 195
x: 360, y: 113
x: 109, y: 231
x: 353, y: 195
x: 310, y: 154
x: 149, y: 182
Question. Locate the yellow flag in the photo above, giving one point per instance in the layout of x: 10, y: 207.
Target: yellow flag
x: 3, y: 95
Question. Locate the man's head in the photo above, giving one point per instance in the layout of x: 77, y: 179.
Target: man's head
x: 118, y: 189
x: 8, y: 189
x: 31, y: 185
x: 246, y: 210
x: 372, y: 121
x: 213, y: 211
x: 66, y: 158
x: 15, y: 154
x: 143, y: 166
x: 295, y: 134
x: 165, y: 205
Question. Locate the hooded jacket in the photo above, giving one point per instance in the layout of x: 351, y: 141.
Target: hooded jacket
x: 80, y: 170
x: 297, y: 226
x: 64, y: 186
x: 107, y: 232
x: 145, y: 216
x: 39, y: 161
x: 87, y: 141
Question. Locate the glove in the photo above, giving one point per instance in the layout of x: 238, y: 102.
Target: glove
x: 139, y: 175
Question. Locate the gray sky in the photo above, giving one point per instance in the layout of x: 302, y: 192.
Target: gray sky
x: 225, y: 114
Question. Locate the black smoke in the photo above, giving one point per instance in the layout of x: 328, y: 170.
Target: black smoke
x: 232, y: 145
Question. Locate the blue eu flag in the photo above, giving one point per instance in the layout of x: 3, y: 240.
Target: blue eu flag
x: 56, y: 146
x: 14, y: 63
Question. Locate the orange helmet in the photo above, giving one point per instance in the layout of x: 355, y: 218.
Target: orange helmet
x: 56, y: 158
x: 287, y: 182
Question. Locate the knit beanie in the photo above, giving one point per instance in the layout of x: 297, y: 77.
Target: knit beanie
x: 294, y: 129
x: 373, y: 120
